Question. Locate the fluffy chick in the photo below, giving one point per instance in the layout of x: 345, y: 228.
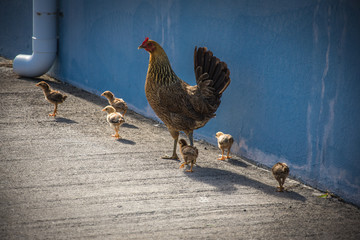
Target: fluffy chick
x: 115, y: 119
x: 188, y: 153
x: 118, y: 103
x: 280, y: 172
x: 225, y: 141
x: 54, y: 97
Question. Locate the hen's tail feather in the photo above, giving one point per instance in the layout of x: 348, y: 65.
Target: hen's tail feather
x: 205, y: 62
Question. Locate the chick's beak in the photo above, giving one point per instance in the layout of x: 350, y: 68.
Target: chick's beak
x: 104, y: 110
x: 37, y: 85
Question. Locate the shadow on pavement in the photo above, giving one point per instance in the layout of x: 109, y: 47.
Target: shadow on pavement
x: 126, y: 141
x: 65, y: 120
x: 226, y: 181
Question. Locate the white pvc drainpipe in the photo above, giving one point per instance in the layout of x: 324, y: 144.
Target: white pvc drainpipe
x: 43, y: 41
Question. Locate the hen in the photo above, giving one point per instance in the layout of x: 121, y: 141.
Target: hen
x: 225, y: 141
x: 180, y: 106
x: 114, y: 118
x: 280, y: 172
x: 188, y: 153
x: 118, y: 103
x: 53, y: 96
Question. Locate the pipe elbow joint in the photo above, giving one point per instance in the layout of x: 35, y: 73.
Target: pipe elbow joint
x: 33, y: 65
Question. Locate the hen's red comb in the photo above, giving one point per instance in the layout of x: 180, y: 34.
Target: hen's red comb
x: 146, y: 39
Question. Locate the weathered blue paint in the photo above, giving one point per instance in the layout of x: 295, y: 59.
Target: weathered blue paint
x: 295, y: 90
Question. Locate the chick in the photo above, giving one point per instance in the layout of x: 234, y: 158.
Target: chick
x: 54, y: 97
x: 280, y: 172
x: 114, y: 118
x: 118, y: 103
x: 225, y: 141
x: 188, y: 153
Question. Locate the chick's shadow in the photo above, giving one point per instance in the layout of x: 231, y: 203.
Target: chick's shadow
x: 127, y: 125
x: 226, y: 181
x: 126, y: 141
x: 65, y: 120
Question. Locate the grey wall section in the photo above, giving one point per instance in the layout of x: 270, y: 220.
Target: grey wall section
x: 295, y: 90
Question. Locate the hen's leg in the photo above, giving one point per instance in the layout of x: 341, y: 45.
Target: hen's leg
x: 175, y: 135
x: 55, y: 110
x: 191, y: 138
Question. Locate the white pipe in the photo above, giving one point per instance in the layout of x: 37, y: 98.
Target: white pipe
x: 43, y: 41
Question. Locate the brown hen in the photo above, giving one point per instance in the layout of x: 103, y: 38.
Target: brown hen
x: 53, y: 96
x: 180, y: 106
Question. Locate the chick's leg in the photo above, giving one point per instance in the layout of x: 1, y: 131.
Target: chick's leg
x: 228, y: 154
x: 191, y: 166
x: 175, y: 135
x: 55, y: 110
x: 182, y: 165
x: 222, y: 155
x: 116, y: 133
x: 280, y: 188
x: 282, y: 183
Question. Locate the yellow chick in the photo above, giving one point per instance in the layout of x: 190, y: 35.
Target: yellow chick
x: 188, y: 153
x: 53, y: 96
x: 115, y: 119
x: 225, y: 141
x: 280, y: 172
x: 118, y: 103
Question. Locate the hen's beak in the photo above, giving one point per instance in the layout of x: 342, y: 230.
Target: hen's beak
x: 141, y: 46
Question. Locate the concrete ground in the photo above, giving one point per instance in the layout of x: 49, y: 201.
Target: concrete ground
x: 67, y: 178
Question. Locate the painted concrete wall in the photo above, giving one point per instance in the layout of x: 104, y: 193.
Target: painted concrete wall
x: 295, y: 90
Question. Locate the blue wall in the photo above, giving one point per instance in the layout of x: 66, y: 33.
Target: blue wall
x: 295, y: 90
